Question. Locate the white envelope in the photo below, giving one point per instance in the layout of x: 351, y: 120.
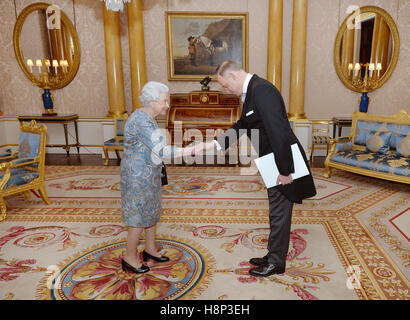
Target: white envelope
x: 269, y: 171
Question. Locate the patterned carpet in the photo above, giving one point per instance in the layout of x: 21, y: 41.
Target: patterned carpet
x: 351, y: 241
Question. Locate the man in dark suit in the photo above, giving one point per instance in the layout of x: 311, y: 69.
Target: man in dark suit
x: 264, y: 109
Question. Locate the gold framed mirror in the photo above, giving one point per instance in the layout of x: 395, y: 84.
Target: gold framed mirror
x: 366, y: 49
x: 46, y: 46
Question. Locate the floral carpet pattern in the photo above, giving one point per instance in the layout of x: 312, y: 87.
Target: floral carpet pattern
x: 350, y: 241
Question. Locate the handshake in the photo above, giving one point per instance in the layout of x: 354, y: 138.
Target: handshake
x: 197, y: 148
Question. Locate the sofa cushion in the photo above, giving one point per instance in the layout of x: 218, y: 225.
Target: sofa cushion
x: 387, y: 163
x: 397, y: 129
x: 347, y: 146
x: 403, y: 145
x: 19, y: 177
x: 363, y: 126
x: 378, y: 141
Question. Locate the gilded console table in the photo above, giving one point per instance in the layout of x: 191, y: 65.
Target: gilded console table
x: 64, y: 119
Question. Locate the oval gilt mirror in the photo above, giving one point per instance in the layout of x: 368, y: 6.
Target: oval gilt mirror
x: 366, y: 49
x: 46, y: 45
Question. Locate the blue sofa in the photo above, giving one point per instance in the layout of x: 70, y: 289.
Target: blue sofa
x: 378, y: 146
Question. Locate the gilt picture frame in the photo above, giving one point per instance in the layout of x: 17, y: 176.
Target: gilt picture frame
x: 198, y: 41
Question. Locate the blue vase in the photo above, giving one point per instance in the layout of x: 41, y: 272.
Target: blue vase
x: 364, y: 102
x: 47, y: 101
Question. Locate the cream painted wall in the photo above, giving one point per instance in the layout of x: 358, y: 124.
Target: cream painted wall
x: 87, y: 95
x: 325, y: 93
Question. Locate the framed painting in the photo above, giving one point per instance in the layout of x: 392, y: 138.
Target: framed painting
x: 198, y: 41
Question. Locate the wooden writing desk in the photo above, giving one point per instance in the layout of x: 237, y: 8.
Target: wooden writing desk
x: 201, y: 114
x: 202, y: 110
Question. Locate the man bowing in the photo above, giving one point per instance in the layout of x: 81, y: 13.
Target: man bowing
x: 264, y: 110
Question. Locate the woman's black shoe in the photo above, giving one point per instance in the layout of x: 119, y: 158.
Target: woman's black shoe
x: 126, y: 266
x: 147, y: 256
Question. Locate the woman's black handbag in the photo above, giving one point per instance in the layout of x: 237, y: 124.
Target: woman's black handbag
x: 164, y: 179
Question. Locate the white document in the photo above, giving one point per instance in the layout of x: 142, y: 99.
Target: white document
x: 269, y: 171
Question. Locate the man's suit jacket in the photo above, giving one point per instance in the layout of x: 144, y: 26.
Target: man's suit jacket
x: 265, y: 110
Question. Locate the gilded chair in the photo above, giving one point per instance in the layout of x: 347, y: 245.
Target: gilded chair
x: 26, y: 171
x: 117, y: 143
x: 320, y: 137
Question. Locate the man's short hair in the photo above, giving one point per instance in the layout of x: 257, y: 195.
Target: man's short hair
x: 227, y: 65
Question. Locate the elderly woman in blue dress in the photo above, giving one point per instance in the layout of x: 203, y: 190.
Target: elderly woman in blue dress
x: 141, y: 175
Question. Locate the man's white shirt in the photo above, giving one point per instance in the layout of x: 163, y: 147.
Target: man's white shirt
x: 245, y: 86
x: 244, y: 91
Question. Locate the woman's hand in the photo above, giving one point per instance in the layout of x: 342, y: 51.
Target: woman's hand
x: 188, y: 151
x: 204, y: 146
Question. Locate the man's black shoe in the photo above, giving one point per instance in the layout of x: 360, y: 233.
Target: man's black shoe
x: 259, y: 261
x: 266, y: 270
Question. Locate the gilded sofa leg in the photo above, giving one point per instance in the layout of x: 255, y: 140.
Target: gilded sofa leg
x: 43, y: 194
x: 27, y: 194
x: 3, y: 209
x: 106, y: 156
x: 328, y: 171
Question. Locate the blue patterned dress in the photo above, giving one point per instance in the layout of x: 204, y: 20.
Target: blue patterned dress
x: 141, y: 171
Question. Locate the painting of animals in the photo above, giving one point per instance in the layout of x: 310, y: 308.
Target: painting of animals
x: 198, y: 42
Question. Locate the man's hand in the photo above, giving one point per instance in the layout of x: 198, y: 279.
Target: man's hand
x: 284, y: 180
x: 210, y: 145
x: 203, y: 146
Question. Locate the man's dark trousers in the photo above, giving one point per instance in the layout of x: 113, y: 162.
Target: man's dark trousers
x: 280, y: 217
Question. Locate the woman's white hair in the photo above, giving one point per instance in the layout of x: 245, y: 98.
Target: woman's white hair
x: 152, y: 92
